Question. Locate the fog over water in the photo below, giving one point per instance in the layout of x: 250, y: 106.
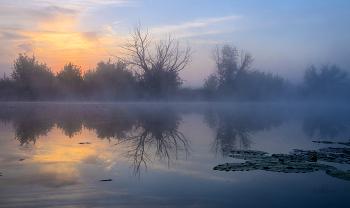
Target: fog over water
x: 174, y: 103
x: 165, y: 154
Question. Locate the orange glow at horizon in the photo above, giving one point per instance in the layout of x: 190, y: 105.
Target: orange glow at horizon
x: 56, y: 50
x: 57, y: 42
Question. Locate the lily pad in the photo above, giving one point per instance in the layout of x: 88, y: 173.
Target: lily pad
x: 339, y: 174
x: 298, y: 161
x: 324, y: 142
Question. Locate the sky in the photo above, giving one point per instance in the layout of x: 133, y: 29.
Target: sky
x: 283, y: 36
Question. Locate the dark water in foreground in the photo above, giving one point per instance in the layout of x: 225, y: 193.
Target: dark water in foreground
x: 163, y: 155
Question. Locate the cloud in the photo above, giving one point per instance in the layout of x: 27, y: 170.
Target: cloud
x: 61, y: 10
x: 57, y: 19
x: 194, y: 24
x: 91, y: 36
x: 209, y: 41
x: 54, y: 18
x: 109, y: 28
x: 28, y: 47
x: 88, y: 4
x: 199, y: 33
x: 12, y: 36
x: 38, y: 14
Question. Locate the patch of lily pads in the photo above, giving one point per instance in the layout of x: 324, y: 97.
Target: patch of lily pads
x: 329, y: 142
x: 298, y: 161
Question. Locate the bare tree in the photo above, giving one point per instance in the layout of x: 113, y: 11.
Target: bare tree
x: 230, y: 66
x: 155, y: 63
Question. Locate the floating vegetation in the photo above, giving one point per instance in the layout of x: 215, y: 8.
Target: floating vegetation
x: 107, y: 180
x: 84, y: 143
x: 324, y: 142
x: 344, y: 143
x: 339, y: 174
x: 298, y: 161
x: 328, y: 142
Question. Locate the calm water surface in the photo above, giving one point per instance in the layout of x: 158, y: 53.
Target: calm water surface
x: 163, y: 155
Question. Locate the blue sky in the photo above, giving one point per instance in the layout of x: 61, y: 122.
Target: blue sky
x: 283, y: 36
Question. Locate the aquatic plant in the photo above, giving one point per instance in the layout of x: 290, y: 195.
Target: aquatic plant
x: 299, y: 161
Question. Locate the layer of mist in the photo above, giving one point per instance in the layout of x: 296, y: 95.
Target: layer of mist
x: 139, y: 126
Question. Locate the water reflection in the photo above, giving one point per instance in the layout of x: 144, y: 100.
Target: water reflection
x: 110, y: 124
x: 144, y: 132
x: 325, y: 123
x: 32, y: 121
x: 155, y: 131
x: 29, y: 126
x: 70, y: 122
x: 233, y: 127
x: 87, y: 143
x: 148, y: 132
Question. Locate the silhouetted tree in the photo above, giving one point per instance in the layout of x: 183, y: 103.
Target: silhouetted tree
x: 156, y: 64
x: 71, y: 78
x: 211, y: 84
x: 258, y: 85
x: 33, y: 80
x: 230, y: 68
x: 233, y: 79
x: 328, y: 80
x: 109, y: 81
x: 7, y: 89
x: 328, y: 75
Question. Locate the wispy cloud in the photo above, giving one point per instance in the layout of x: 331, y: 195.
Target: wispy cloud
x: 193, y: 24
x: 88, y: 4
x: 38, y: 12
x: 91, y: 36
x: 49, y: 18
x: 109, y: 28
x: 28, y: 47
x: 61, y: 10
x: 12, y: 36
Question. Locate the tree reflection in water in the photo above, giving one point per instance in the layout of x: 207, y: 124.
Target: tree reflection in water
x: 326, y: 122
x: 232, y: 127
x: 145, y: 130
x: 70, y: 121
x: 30, y: 126
x: 110, y: 124
x: 227, y: 133
x: 155, y: 132
x: 28, y: 123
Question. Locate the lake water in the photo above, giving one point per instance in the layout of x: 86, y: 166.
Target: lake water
x: 163, y: 155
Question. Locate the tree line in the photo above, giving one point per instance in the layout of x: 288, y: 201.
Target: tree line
x: 33, y: 81
x: 149, y: 70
